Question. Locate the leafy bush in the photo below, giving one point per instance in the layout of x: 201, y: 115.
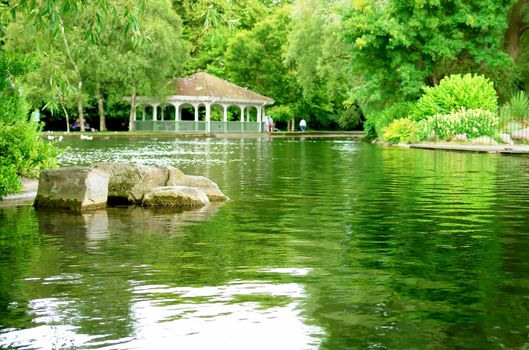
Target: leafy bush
x: 517, y: 107
x: 401, y: 131
x: 454, y: 93
x: 350, y: 118
x: 22, y: 150
x: 377, y: 122
x: 471, y: 122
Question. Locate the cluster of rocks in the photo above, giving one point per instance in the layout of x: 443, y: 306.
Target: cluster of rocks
x: 515, y: 136
x: 82, y: 188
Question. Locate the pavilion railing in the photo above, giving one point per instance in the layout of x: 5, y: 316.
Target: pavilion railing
x: 200, y: 126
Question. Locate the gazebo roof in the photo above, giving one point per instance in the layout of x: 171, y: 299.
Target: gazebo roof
x: 202, y: 84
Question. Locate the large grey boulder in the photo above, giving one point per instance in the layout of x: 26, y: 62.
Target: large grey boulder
x: 74, y: 188
x: 207, y: 186
x: 129, y: 182
x: 176, y: 197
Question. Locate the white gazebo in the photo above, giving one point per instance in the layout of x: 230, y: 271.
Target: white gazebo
x: 204, y: 90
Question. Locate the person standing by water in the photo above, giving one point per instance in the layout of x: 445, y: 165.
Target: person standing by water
x: 302, y: 125
x: 270, y: 123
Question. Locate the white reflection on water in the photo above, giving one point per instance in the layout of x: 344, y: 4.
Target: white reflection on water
x: 44, y: 337
x: 222, y: 322
x: 289, y: 271
x: 239, y: 315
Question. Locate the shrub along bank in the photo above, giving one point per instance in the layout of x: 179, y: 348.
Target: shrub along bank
x: 23, y: 153
x: 460, y: 108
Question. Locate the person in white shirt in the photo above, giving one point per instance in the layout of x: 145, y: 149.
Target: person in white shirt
x: 302, y: 125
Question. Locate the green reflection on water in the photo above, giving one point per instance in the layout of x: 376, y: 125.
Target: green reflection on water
x: 357, y: 246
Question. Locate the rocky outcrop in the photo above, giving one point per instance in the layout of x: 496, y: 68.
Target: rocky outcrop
x: 72, y: 188
x: 209, y: 187
x: 122, y: 183
x: 129, y: 182
x: 175, y: 197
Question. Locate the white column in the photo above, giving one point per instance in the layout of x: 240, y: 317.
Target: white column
x: 196, y: 106
x: 259, y: 117
x: 225, y: 113
x: 162, y: 107
x: 208, y: 117
x: 143, y: 113
x: 248, y: 114
x: 177, y: 116
x: 225, y: 117
x: 155, y: 111
x: 242, y: 117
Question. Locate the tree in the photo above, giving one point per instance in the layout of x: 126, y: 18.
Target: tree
x: 321, y: 60
x: 254, y: 59
x: 400, y: 46
x: 517, y: 26
x: 208, y: 26
x: 146, y: 66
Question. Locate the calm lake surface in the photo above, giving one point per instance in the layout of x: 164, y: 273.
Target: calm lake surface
x: 325, y: 244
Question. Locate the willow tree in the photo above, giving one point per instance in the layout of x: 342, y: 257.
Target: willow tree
x: 61, y: 22
x: 320, y: 60
x: 146, y: 66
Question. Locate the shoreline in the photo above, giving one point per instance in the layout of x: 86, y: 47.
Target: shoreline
x: 498, y: 149
x: 25, y: 197
x: 173, y: 135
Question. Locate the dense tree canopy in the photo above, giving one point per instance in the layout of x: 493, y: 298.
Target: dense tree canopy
x: 324, y: 60
x: 330, y: 62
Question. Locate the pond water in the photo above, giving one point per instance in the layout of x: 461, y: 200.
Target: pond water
x: 325, y: 244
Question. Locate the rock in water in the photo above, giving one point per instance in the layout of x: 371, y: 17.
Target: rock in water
x: 76, y: 188
x: 175, y: 197
x: 209, y: 187
x: 129, y: 182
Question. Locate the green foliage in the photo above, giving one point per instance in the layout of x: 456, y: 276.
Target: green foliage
x: 377, y: 121
x: 281, y: 112
x: 400, y: 46
x: 22, y: 151
x: 454, y: 93
x: 516, y: 108
x: 254, y: 59
x: 9, y: 182
x: 350, y: 118
x: 471, y: 122
x: 401, y: 131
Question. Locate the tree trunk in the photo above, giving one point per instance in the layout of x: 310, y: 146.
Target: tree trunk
x: 101, y: 109
x: 132, y: 116
x: 80, y: 108
x: 78, y: 73
x: 515, y: 29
